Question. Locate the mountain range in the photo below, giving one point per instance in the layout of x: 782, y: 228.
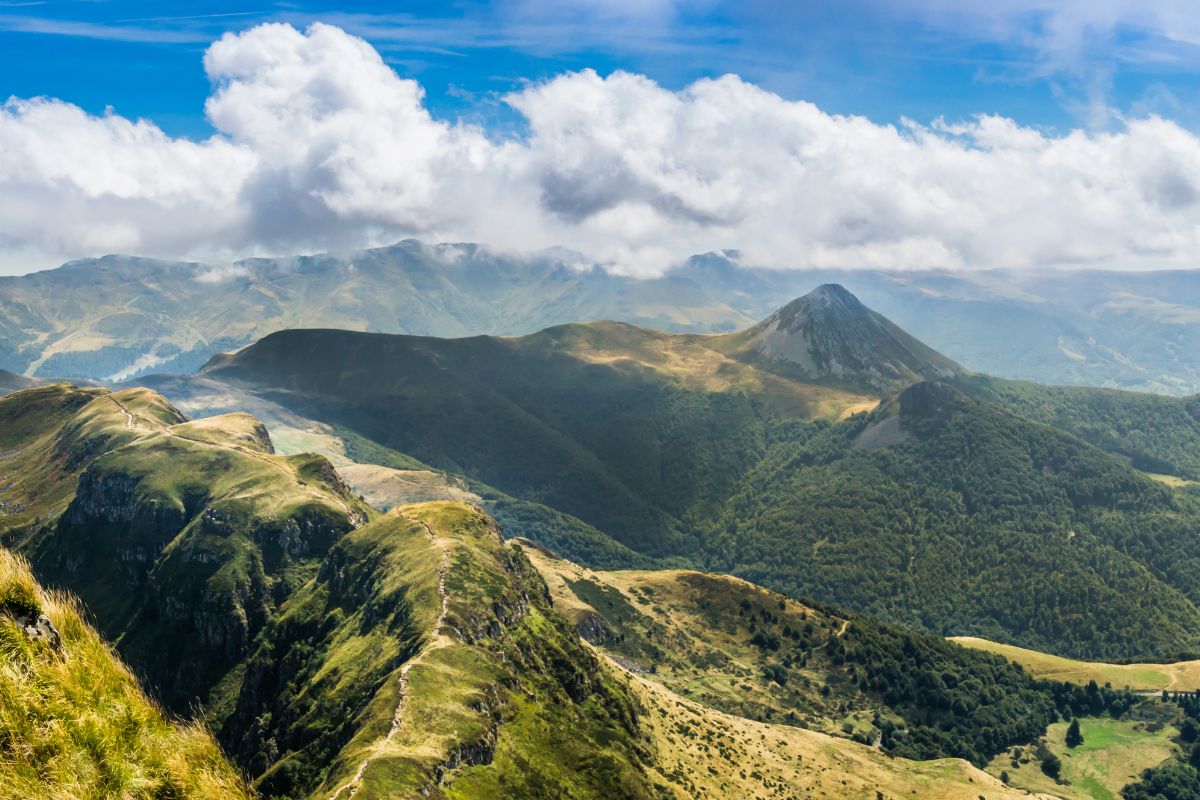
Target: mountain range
x: 339, y: 563
x: 822, y: 452
x: 335, y: 650
x: 118, y: 317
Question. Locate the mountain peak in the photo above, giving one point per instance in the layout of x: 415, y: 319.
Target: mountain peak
x: 829, y: 336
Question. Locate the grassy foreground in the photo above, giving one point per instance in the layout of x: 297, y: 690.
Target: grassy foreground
x: 73, y: 721
x: 1182, y: 676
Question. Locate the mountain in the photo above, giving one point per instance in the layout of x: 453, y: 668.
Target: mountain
x: 828, y: 336
x: 938, y: 506
x: 117, y: 317
x: 10, y: 382
x: 338, y: 651
x: 75, y: 722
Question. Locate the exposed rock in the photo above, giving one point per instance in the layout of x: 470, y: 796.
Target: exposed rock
x: 39, y: 627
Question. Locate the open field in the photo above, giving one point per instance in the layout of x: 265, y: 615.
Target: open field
x: 1183, y: 676
x: 1174, y: 481
x: 1113, y: 754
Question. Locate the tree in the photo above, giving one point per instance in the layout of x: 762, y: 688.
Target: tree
x: 1074, y: 737
x: 1189, y: 731
x: 1194, y: 758
x: 1052, y: 766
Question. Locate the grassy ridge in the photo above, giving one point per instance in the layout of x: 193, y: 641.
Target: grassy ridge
x: 75, y: 724
x: 1183, y: 676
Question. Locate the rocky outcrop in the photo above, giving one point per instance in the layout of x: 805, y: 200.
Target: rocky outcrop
x: 38, y: 627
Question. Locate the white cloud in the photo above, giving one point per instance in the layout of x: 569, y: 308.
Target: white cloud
x: 321, y: 145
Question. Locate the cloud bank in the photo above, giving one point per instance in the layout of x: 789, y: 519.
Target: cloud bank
x: 321, y: 145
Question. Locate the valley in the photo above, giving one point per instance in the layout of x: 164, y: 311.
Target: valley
x: 806, y: 483
x: 416, y: 561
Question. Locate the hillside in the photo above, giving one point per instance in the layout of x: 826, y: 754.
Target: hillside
x: 336, y: 651
x: 1158, y: 435
x: 117, y: 317
x: 679, y: 451
x: 74, y: 721
x: 664, y: 426
x: 1179, y: 676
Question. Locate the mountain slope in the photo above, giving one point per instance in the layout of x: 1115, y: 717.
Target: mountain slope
x: 73, y: 721
x: 405, y: 654
x: 828, y: 336
x: 948, y: 514
x: 633, y: 431
x: 1156, y: 434
x: 912, y: 512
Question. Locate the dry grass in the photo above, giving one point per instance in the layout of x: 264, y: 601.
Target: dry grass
x: 692, y: 363
x: 1113, y: 754
x: 700, y: 752
x: 75, y: 724
x: 1181, y: 676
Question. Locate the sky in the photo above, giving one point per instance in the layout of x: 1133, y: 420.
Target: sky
x: 903, y: 134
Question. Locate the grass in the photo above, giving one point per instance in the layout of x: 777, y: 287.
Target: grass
x: 1113, y: 754
x: 1183, y: 676
x: 693, y: 633
x: 701, y: 752
x: 75, y: 724
x: 1174, y: 481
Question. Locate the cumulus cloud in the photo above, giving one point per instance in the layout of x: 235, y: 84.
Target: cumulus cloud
x: 321, y: 145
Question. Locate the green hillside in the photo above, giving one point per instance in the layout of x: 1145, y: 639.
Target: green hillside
x: 947, y: 514
x: 1155, y: 434
x: 939, y: 510
x: 633, y: 431
x: 73, y: 721
x: 336, y: 651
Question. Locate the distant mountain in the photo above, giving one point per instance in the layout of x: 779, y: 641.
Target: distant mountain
x: 940, y: 505
x: 117, y: 317
x: 828, y: 336
x: 11, y: 382
x: 338, y: 651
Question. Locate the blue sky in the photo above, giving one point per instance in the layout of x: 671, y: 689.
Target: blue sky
x: 635, y: 133
x: 1029, y: 61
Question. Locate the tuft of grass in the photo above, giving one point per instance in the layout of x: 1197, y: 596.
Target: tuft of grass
x: 75, y: 724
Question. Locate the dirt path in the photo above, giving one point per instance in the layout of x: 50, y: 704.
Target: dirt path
x: 123, y: 410
x: 433, y: 642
